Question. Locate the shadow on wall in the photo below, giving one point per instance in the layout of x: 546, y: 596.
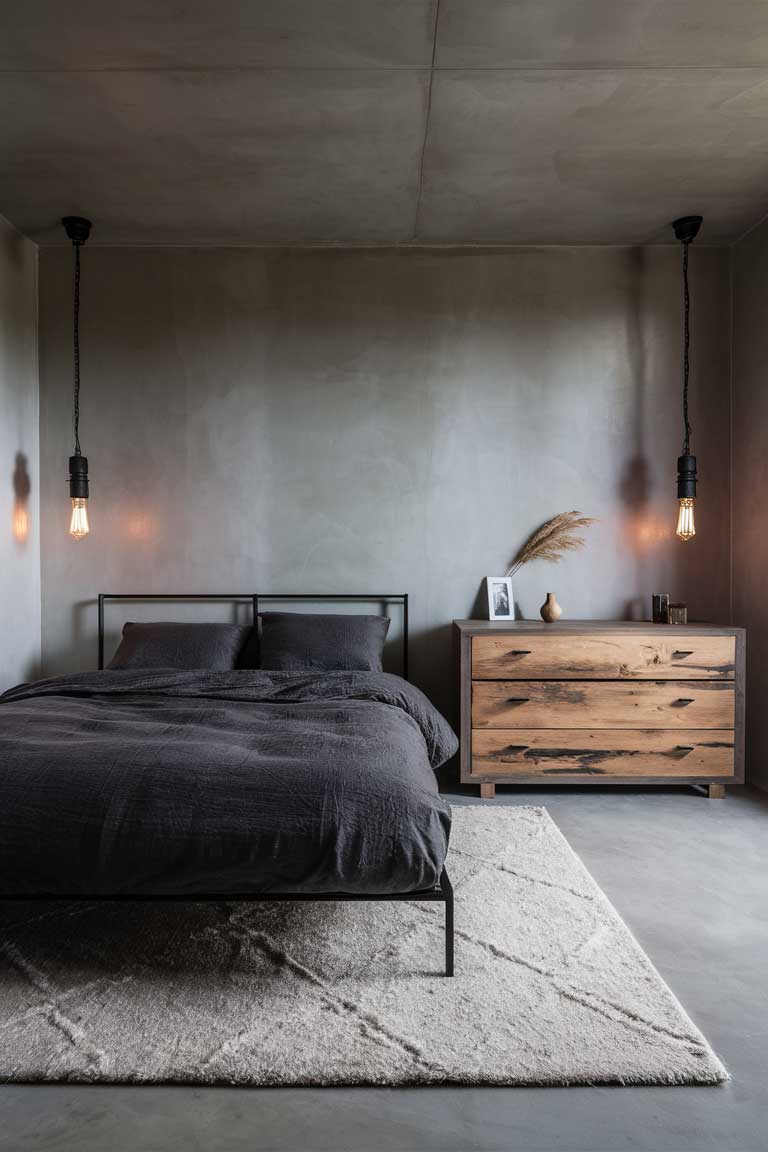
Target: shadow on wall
x: 634, y: 484
x: 82, y: 611
x: 431, y: 653
x: 22, y: 486
x: 430, y: 656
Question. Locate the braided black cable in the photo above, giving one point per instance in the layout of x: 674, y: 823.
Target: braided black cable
x: 76, y: 343
x: 686, y: 345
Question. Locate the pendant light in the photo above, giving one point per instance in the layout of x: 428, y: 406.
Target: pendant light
x: 686, y: 229
x: 77, y: 229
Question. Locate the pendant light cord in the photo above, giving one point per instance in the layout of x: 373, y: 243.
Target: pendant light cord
x: 686, y: 344
x: 76, y: 348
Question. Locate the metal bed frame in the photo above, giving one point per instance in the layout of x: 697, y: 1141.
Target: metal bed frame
x: 442, y: 893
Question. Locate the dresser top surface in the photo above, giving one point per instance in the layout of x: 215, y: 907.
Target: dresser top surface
x: 571, y: 627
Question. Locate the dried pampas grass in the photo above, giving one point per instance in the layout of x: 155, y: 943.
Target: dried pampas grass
x: 553, y: 540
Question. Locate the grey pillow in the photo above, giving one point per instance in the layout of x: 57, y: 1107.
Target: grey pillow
x: 185, y: 646
x: 294, y: 641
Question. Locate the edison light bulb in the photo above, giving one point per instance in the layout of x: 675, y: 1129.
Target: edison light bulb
x: 78, y: 525
x: 685, y: 526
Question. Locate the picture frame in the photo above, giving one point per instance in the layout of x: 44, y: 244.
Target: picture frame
x: 501, y: 603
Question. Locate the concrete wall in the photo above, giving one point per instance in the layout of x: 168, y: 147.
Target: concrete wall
x: 19, y: 461
x: 382, y: 420
x: 750, y: 484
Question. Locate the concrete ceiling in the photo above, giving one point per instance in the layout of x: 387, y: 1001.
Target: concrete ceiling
x: 384, y: 121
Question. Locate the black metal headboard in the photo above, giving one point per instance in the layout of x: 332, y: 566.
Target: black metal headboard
x: 255, y: 599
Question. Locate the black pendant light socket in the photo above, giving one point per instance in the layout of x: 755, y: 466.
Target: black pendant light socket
x: 686, y: 477
x: 78, y: 477
x: 687, y: 228
x: 77, y: 228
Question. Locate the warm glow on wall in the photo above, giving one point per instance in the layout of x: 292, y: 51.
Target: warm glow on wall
x: 138, y: 525
x: 20, y: 521
x: 22, y: 487
x: 648, y: 531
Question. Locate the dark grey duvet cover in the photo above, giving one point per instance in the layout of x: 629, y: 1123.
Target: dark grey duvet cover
x: 183, y: 782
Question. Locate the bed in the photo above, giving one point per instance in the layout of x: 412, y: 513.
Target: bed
x: 241, y: 784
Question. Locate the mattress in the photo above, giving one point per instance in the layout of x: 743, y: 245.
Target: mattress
x: 188, y: 782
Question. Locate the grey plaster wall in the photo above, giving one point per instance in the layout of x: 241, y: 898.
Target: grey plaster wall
x: 382, y: 419
x: 19, y: 461
x: 750, y: 484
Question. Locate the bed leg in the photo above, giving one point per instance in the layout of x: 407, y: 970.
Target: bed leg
x: 447, y: 888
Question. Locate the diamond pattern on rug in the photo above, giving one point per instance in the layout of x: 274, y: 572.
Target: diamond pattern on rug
x: 550, y: 988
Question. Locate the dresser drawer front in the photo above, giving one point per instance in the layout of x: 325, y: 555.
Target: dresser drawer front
x: 612, y: 656
x: 575, y: 754
x: 602, y: 704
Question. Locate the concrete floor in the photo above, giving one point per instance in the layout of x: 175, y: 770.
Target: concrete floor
x: 689, y: 876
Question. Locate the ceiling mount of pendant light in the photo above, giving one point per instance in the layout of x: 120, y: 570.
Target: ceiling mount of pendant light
x: 686, y: 229
x: 78, y: 229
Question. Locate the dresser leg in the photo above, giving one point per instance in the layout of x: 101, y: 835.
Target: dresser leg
x: 487, y: 791
x: 716, y: 791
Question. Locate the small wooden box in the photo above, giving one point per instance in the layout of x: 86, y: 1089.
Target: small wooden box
x: 591, y: 702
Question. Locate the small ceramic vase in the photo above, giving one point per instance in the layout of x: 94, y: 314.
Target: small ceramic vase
x: 550, y: 609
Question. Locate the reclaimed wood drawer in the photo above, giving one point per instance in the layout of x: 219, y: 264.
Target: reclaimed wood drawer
x: 602, y: 704
x: 576, y: 754
x: 612, y: 656
x: 595, y: 701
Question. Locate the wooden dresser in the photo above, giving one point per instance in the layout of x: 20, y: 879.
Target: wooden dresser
x: 593, y: 702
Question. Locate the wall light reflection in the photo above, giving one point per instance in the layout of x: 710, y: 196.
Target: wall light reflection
x: 22, y: 486
x: 138, y: 525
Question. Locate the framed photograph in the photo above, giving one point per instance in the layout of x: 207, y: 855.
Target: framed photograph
x: 501, y: 605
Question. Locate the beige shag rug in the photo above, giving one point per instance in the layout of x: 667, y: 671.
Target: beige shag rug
x: 550, y: 986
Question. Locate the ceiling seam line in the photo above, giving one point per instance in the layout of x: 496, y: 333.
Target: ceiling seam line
x: 488, y: 246
x: 427, y: 117
x: 207, y: 69
x: 749, y: 230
